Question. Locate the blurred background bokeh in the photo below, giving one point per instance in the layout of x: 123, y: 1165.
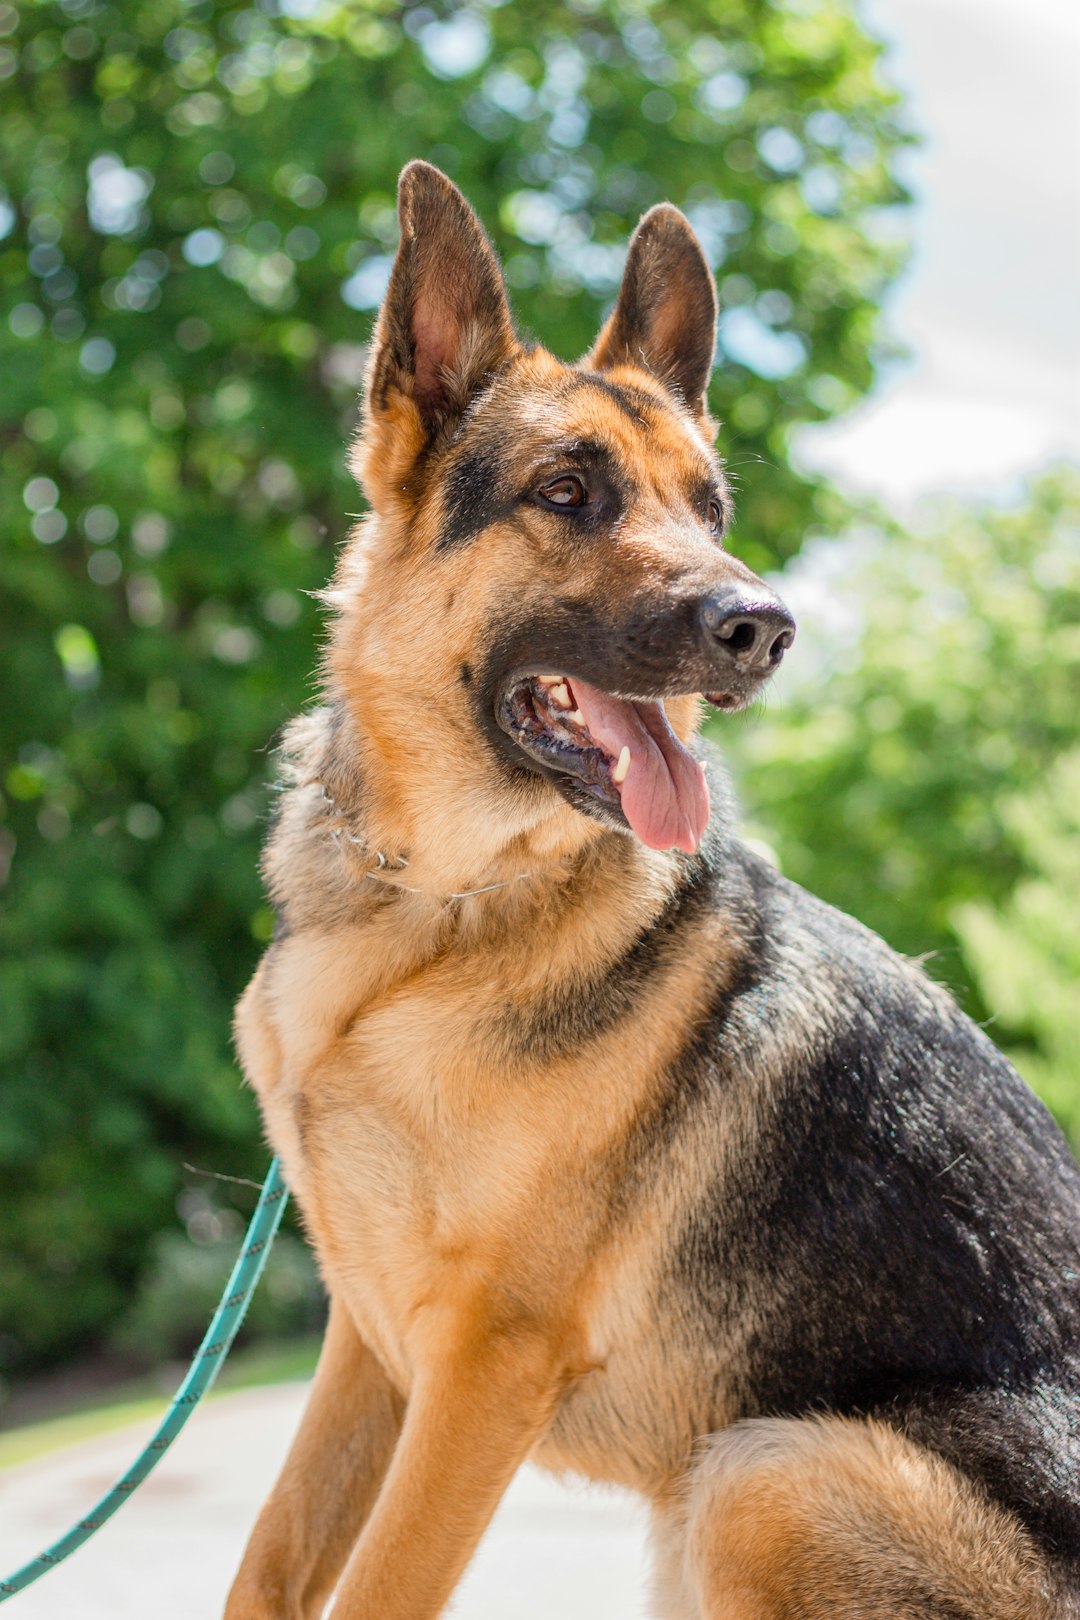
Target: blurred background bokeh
x: 196, y: 226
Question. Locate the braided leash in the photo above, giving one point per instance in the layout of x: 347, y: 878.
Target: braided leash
x: 216, y: 1345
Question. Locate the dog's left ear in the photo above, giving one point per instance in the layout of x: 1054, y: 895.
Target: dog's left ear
x: 665, y: 316
x: 444, y: 325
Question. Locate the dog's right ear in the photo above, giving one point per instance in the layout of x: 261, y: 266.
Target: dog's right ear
x: 444, y: 326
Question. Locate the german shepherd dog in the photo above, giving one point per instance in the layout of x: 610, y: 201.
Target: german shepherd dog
x: 619, y: 1152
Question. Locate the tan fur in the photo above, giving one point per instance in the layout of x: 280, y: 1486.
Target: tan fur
x: 850, y: 1515
x: 461, y: 1189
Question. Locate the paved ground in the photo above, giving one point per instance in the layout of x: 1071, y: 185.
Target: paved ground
x: 554, y: 1552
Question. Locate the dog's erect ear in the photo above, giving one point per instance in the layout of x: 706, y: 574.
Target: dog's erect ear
x: 444, y: 325
x: 665, y: 317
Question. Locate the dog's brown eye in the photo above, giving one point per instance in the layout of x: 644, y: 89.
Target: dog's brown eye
x: 564, y: 492
x: 716, y: 517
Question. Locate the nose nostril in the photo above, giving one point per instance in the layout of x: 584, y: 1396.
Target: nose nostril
x: 780, y: 646
x: 754, y: 631
x: 740, y: 635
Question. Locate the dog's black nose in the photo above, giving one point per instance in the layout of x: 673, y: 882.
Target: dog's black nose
x: 756, y: 630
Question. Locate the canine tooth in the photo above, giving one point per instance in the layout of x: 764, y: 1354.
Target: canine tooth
x: 576, y: 716
x: 622, y: 765
x: 560, y: 694
x: 549, y: 680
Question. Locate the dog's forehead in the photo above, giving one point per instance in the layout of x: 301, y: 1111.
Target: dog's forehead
x: 628, y: 412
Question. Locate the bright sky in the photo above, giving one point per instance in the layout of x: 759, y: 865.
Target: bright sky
x: 990, y: 306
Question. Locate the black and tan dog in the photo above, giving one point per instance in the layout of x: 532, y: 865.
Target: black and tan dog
x: 620, y: 1152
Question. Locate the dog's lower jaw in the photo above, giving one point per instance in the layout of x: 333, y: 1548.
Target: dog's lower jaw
x: 622, y: 760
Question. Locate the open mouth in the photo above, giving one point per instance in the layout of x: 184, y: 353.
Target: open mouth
x: 617, y: 757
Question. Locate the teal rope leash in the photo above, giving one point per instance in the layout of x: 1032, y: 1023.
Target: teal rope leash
x: 200, y: 1375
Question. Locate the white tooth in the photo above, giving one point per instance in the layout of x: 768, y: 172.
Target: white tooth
x: 622, y: 765
x: 560, y: 694
x: 576, y: 716
x: 549, y: 680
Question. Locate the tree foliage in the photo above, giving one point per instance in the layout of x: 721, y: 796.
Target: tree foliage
x: 922, y: 773
x: 1025, y: 951
x: 196, y: 227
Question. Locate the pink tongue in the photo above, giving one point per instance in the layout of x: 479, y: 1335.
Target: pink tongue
x: 665, y: 797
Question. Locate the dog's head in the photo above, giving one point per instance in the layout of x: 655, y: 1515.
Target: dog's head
x: 529, y: 617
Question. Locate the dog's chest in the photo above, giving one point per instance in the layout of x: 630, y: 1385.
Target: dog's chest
x: 435, y: 1178
x: 406, y: 1235
x: 427, y: 1173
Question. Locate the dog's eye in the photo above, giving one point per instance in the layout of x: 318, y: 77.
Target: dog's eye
x: 716, y: 517
x: 564, y: 492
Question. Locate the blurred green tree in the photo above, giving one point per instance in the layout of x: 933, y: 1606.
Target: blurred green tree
x: 1025, y: 951
x: 922, y: 772
x: 196, y: 222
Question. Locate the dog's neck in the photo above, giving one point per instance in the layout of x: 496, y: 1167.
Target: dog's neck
x: 343, y: 850
x: 445, y: 830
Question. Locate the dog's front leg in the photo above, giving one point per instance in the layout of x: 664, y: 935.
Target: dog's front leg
x: 326, y: 1489
x: 472, y: 1418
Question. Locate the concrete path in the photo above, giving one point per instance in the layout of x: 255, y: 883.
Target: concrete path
x: 554, y: 1552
